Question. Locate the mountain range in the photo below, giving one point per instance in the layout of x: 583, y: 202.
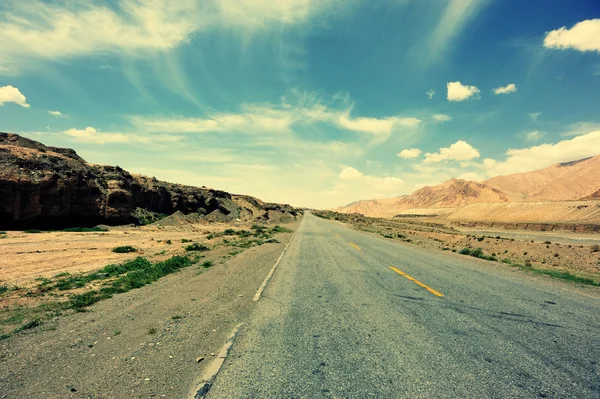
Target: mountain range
x: 567, y: 181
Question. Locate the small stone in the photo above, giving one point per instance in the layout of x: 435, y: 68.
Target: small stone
x: 212, y: 354
x: 146, y: 379
x: 199, y: 359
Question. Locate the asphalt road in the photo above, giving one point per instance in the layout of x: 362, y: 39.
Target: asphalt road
x: 336, y: 321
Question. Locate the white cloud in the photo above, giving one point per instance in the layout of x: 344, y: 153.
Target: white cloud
x: 10, y: 94
x: 583, y: 36
x: 354, y: 185
x: 33, y: 30
x: 459, y: 151
x: 459, y: 92
x: 441, y: 117
x: 534, y: 135
x: 294, y: 110
x: 509, y: 88
x: 543, y: 155
x: 411, y: 153
x: 534, y: 116
x: 91, y: 135
x: 350, y: 173
x: 56, y: 113
x: 430, y: 93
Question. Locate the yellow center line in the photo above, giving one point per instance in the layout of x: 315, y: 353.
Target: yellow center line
x: 414, y: 280
x: 337, y: 235
x: 354, y: 245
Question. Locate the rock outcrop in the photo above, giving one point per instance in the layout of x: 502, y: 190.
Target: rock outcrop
x: 50, y: 187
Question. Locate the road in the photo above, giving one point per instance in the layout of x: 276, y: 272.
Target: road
x: 336, y: 321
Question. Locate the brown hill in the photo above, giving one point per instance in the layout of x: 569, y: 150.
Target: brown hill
x: 565, y: 181
x: 568, y: 181
x: 50, y: 187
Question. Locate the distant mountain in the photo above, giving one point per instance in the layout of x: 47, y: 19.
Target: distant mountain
x: 568, y: 181
x: 565, y: 181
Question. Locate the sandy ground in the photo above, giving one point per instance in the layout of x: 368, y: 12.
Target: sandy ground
x: 26, y: 256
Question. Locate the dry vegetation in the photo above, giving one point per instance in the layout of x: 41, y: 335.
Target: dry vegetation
x: 47, y: 274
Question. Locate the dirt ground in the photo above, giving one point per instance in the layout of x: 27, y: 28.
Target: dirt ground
x: 26, y: 256
x: 154, y: 341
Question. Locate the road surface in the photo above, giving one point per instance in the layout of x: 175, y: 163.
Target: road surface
x: 352, y: 315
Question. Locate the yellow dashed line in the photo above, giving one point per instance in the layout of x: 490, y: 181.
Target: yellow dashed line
x: 414, y: 280
x: 355, y: 246
x: 337, y: 236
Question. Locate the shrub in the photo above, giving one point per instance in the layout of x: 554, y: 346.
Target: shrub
x: 84, y: 229
x: 33, y: 231
x: 197, y: 247
x: 169, y: 242
x: 207, y: 264
x: 465, y: 251
x: 507, y: 261
x: 124, y: 249
x: 595, y: 248
x: 229, y: 232
x: 184, y: 240
x: 481, y: 239
x: 279, y: 229
x: 2, y: 232
x: 547, y: 242
x: 3, y: 288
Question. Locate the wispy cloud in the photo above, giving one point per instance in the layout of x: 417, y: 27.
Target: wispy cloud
x: 441, y: 117
x: 453, y: 20
x: 56, y: 113
x: 37, y: 30
x: 297, y: 109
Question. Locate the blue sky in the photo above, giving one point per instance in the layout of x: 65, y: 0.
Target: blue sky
x: 310, y: 102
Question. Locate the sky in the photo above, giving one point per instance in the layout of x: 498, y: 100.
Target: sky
x: 315, y: 103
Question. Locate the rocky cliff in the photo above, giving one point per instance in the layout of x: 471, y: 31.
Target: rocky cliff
x: 50, y: 187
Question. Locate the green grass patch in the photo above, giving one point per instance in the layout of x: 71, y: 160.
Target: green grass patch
x: 32, y: 231
x: 477, y: 253
x: 197, y: 247
x: 124, y: 249
x: 131, y: 275
x: 567, y: 276
x: 3, y: 288
x: 184, y: 240
x: 207, y: 264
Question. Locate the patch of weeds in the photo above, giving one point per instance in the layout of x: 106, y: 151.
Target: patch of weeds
x: 272, y: 241
x: 2, y: 232
x: 164, y: 251
x: 210, y: 236
x: 116, y: 332
x: 477, y: 253
x: 229, y: 232
x: 151, y: 330
x: 207, y: 264
x: 481, y: 239
x: 28, y: 326
x: 131, y: 275
x: 445, y: 249
x: 453, y: 250
x: 32, y: 231
x: 547, y: 242
x: 3, y: 289
x: 168, y: 242
x: 197, y: 247
x: 84, y: 229
x: 177, y: 317
x: 124, y: 249
x: 595, y: 248
x: 279, y: 229
x: 507, y: 261
x: 184, y: 240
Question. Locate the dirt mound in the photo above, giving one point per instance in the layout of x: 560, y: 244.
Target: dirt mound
x: 49, y: 187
